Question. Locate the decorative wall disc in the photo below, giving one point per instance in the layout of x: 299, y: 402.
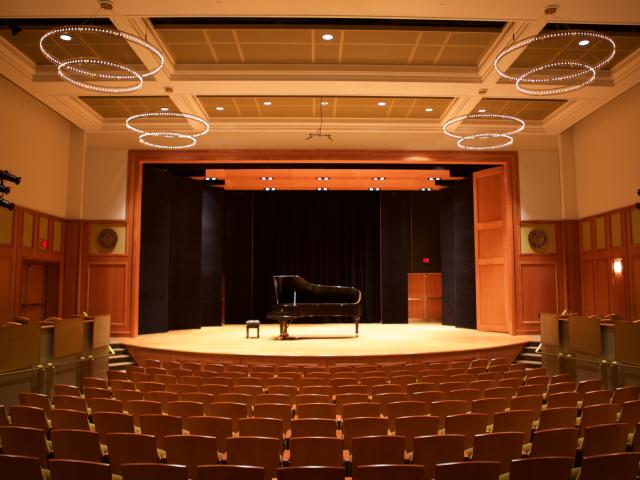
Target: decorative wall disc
x: 537, y: 239
x: 107, y: 240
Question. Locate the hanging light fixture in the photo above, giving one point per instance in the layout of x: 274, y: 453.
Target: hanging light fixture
x: 579, y: 74
x: 80, y: 67
x: 504, y: 138
x: 149, y: 138
x: 318, y: 132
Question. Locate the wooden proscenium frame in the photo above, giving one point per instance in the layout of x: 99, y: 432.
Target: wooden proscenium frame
x: 509, y: 193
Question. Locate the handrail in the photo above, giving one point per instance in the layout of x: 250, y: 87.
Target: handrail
x: 613, y: 363
x: 46, y: 366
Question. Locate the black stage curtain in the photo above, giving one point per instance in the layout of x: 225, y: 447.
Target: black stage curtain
x: 458, y: 258
x: 329, y: 238
x: 170, y: 256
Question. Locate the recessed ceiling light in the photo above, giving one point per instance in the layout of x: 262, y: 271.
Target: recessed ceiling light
x: 482, y: 110
x: 382, y: 104
x: 266, y: 179
x: 211, y: 178
x: 377, y: 178
x: 322, y: 179
x: 429, y: 109
x: 584, y: 43
x: 327, y: 37
x: 322, y: 189
x: 270, y: 189
x: 220, y: 109
x: 267, y: 103
x: 164, y: 109
x: 66, y: 37
x: 324, y: 104
x: 437, y: 178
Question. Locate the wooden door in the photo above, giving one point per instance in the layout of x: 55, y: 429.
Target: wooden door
x: 39, y: 290
x: 425, y: 297
x: 494, y: 251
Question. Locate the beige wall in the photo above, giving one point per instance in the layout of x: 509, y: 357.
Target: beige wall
x: 105, y: 184
x: 607, y: 163
x: 540, y: 193
x: 35, y: 146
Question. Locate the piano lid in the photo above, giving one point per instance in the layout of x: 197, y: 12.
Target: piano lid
x: 307, y: 292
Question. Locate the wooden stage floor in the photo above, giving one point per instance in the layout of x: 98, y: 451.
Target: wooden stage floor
x: 325, y: 344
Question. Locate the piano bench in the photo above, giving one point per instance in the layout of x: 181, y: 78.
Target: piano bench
x: 253, y: 324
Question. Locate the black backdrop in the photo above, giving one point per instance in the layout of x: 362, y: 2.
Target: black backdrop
x: 208, y: 255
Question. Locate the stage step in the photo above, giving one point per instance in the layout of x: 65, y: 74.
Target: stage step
x: 529, y: 356
x: 120, y: 359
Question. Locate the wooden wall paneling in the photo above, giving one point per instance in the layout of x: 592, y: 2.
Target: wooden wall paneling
x: 416, y: 302
x: 494, y: 269
x: 631, y: 270
x: 7, y: 264
x: 433, y: 296
x: 107, y: 292
x: 571, y: 263
x: 72, y: 265
x: 588, y: 288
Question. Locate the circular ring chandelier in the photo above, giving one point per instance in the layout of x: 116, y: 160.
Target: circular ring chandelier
x: 463, y: 139
x: 144, y: 137
x: 69, y: 65
x: 586, y: 70
x: 75, y: 64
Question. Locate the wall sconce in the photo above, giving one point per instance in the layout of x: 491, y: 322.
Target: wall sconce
x: 617, y: 266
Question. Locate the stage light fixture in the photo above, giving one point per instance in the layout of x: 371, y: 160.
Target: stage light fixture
x: 4, y: 203
x: 4, y: 189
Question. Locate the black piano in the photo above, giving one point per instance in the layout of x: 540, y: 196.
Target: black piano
x: 296, y: 298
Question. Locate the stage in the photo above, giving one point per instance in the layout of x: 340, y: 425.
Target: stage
x: 325, y: 344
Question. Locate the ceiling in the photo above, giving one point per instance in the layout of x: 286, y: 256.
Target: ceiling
x: 224, y: 60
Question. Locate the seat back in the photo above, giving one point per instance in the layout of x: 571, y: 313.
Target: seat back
x: 564, y: 399
x: 313, y: 427
x: 613, y: 466
x: 361, y: 409
x: 306, y: 451
x: 98, y: 405
x: 191, y: 450
x: 376, y: 449
x: 160, y: 426
x: 515, y: 421
x: 559, y: 417
x: 386, y: 472
x: 259, y: 451
x: 598, y: 415
x: 69, y: 402
x: 467, y: 424
x: 444, y: 408
x: 555, y: 442
x: 362, y: 427
x: 431, y: 450
x: 76, y: 445
x: 154, y: 471
x: 130, y: 448
x: 65, y: 469
x: 413, y: 426
x: 20, y: 466
x: 261, y: 427
x: 310, y: 473
x: 485, y: 470
x: 489, y: 406
x: 404, y: 408
x: 316, y: 410
x: 24, y: 416
x: 110, y: 422
x: 26, y: 441
x: 231, y: 410
x: 499, y: 447
x: 605, y: 438
x: 73, y: 419
x: 549, y: 468
x: 35, y: 400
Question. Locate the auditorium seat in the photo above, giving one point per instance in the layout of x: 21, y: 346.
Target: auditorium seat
x: 564, y: 399
x: 489, y: 406
x: 362, y: 427
x: 130, y: 448
x: 231, y: 410
x: 160, y: 426
x: 616, y: 466
x: 35, y: 400
x: 560, y: 387
x: 125, y: 395
x: 559, y: 417
x: 596, y: 397
x: 502, y: 392
x: 180, y: 388
x: 143, y: 407
x: 313, y: 427
x: 528, y: 402
x: 499, y: 447
x: 311, y: 473
x: 389, y: 472
x: 34, y: 417
x: 435, y: 449
x: 77, y: 445
x: 428, y: 398
x: 589, y: 385
x: 386, y: 388
x: 444, y: 408
x: 218, y: 427
x: 316, y: 410
x: 80, y: 470
x: 261, y: 427
x: 597, y: 415
x: 554, y: 442
x: 414, y: 426
x: 68, y: 402
x: 624, y: 394
x: 515, y: 421
x: 384, y: 399
x: 376, y: 449
x: 281, y: 411
x: 109, y: 422
x: 116, y: 375
x: 361, y: 409
x: 164, y: 378
x: 153, y: 471
x: 404, y: 408
x: 351, y: 388
x: 99, y: 405
x: 199, y: 397
x: 468, y: 394
x: 94, y: 382
x: 73, y: 419
x: 96, y: 392
x: 255, y: 451
x: 236, y: 397
x: 21, y: 467
x: 161, y: 397
x: 467, y: 424
x: 26, y: 441
x: 605, y: 438
x: 549, y: 468
x: 306, y: 451
x: 184, y: 409
x: 191, y: 450
x: 148, y: 386
x: 122, y: 385
x: 69, y: 390
x: 417, y: 387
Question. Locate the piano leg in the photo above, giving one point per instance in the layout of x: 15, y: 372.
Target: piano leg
x: 357, y: 322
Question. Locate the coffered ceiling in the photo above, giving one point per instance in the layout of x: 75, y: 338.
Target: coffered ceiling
x: 426, y: 61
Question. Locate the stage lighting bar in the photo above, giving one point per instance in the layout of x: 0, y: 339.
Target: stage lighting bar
x: 4, y: 203
x: 6, y: 175
x: 9, y: 177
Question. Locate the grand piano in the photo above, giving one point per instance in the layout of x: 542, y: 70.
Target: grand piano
x: 297, y: 298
